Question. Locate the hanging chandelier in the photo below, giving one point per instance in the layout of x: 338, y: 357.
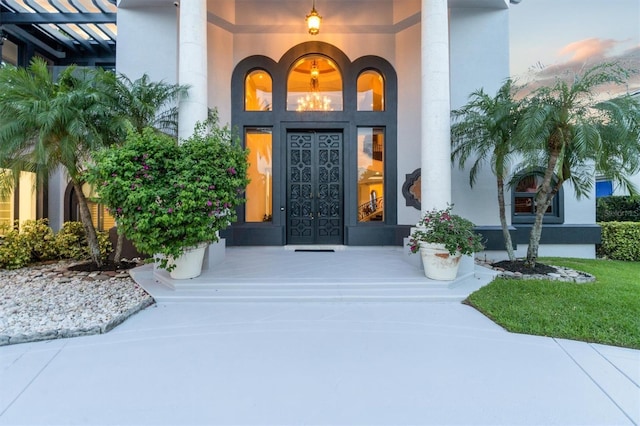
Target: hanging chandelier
x: 313, y: 20
x: 314, y: 100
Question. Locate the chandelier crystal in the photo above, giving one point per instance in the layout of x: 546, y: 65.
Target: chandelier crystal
x: 314, y: 100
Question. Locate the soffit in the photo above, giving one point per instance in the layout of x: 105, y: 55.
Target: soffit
x: 339, y: 16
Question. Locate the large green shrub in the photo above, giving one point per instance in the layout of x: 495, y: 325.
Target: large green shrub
x: 620, y: 240
x: 71, y: 242
x: 618, y: 209
x: 167, y: 197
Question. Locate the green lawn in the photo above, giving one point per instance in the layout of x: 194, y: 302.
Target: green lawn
x: 606, y: 311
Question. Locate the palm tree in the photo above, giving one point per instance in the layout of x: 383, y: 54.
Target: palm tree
x: 483, y: 130
x: 144, y: 103
x: 573, y: 134
x: 47, y: 124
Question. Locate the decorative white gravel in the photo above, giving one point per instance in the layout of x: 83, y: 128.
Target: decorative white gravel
x: 49, y: 302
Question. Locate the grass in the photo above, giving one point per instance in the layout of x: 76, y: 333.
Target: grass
x: 606, y: 311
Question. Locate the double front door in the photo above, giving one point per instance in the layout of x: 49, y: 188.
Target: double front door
x: 314, y: 188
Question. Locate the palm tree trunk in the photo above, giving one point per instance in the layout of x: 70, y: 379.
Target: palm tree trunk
x: 543, y: 201
x: 117, y: 255
x: 503, y: 221
x: 85, y: 218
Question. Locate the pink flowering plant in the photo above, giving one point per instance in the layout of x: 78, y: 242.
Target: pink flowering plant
x: 443, y: 227
x: 167, y: 197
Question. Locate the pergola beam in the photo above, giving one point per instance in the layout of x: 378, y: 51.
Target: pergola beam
x: 57, y: 18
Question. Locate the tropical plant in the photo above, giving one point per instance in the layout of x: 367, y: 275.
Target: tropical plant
x: 144, y: 103
x: 483, y: 130
x: 168, y: 197
x: 46, y: 124
x: 573, y: 134
x: 443, y: 227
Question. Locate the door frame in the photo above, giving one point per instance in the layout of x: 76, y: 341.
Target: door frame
x: 343, y: 128
x: 315, y: 168
x: 280, y: 120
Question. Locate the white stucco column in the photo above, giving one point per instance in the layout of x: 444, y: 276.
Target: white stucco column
x: 192, y: 65
x: 435, y: 118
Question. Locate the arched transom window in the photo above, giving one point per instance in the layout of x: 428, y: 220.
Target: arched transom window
x: 370, y: 91
x: 314, y: 83
x: 258, y: 91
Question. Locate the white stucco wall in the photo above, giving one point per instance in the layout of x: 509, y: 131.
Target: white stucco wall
x: 220, y: 68
x: 479, y: 59
x: 56, y: 189
x: 407, y: 67
x: 147, y: 43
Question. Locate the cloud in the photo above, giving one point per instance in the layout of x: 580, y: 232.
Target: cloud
x: 583, y: 55
x: 588, y: 49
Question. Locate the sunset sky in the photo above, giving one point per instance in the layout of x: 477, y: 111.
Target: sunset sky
x: 552, y: 37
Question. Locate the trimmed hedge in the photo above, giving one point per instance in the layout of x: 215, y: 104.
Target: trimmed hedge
x: 35, y: 241
x: 620, y: 240
x: 618, y: 209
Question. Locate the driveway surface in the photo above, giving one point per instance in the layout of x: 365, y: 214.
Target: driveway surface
x: 316, y: 364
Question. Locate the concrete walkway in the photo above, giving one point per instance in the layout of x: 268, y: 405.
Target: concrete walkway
x: 315, y: 363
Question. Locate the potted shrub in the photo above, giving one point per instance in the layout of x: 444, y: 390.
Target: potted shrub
x: 170, y: 199
x: 442, y: 238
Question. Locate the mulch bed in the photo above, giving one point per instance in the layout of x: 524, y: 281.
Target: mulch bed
x: 107, y: 266
x: 519, y: 266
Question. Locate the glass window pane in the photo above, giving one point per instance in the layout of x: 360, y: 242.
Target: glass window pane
x: 258, y: 91
x: 370, y: 174
x: 100, y: 216
x: 370, y: 91
x: 6, y: 210
x: 524, y: 205
x: 27, y: 196
x: 314, y: 84
x: 259, y: 191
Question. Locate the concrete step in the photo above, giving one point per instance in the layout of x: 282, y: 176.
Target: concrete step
x: 165, y: 290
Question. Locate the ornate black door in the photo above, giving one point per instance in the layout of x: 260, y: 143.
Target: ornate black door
x: 314, y: 188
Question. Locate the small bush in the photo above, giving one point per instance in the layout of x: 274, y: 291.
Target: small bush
x: 40, y: 239
x: 71, y: 242
x: 620, y: 240
x: 618, y: 209
x: 14, y: 252
x: 35, y: 241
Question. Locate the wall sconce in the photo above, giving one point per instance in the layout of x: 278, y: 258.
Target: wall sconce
x: 313, y: 20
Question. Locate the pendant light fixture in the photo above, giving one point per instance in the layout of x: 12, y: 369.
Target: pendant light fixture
x: 313, y: 20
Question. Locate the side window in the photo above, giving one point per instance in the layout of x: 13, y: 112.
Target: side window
x: 258, y: 91
x: 370, y: 91
x: 371, y: 181
x: 523, y: 197
x: 259, y: 192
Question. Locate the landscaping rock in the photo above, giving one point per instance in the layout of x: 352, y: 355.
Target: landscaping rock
x: 49, y: 301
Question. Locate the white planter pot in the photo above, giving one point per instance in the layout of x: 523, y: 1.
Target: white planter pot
x: 189, y: 265
x: 438, y: 264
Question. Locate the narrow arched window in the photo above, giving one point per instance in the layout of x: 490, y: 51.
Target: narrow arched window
x: 314, y: 83
x: 258, y: 90
x: 370, y: 91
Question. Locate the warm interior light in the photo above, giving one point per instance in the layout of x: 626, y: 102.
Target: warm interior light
x: 313, y: 20
x: 314, y: 100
